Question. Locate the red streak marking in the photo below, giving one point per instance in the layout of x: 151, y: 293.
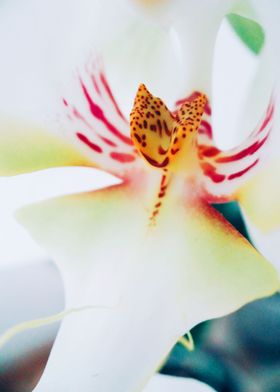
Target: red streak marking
x: 208, y: 152
x: 174, y: 151
x: 78, y: 115
x: 162, y: 151
x: 138, y: 138
x: 205, y: 129
x: 244, y: 153
x: 240, y: 173
x: 95, y: 85
x: 158, y: 204
x: 267, y: 119
x: 210, y: 171
x: 122, y: 157
x: 109, y: 92
x: 191, y: 97
x: 154, y: 162
x: 168, y: 133
x: 108, y: 141
x: 163, y: 179
x: 85, y: 140
x: 97, y: 112
x: 207, y: 109
x: 65, y: 102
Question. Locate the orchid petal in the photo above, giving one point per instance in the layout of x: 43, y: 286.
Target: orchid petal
x: 260, y: 198
x: 106, y: 28
x: 25, y: 148
x: 269, y: 16
x: 96, y: 124
x: 157, y: 282
x: 32, y: 324
x: 50, y: 83
x: 195, y: 26
x: 161, y: 383
x: 225, y: 171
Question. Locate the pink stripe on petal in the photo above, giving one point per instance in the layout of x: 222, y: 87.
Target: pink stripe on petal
x: 243, y: 153
x: 111, y: 96
x: 206, y: 129
x: 94, y: 112
x: 122, y: 157
x: 234, y: 164
x: 242, y: 172
x: 268, y: 118
x: 90, y: 144
x: 98, y: 113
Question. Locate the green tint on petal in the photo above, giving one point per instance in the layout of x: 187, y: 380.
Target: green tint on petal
x: 25, y: 148
x: 154, y: 284
x: 249, y: 31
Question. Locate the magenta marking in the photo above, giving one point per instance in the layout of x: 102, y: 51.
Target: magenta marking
x: 241, y: 172
x: 95, y: 85
x: 90, y: 144
x: 122, y: 157
x: 111, y: 96
x: 97, y: 112
x: 244, y: 153
x: 267, y: 119
x: 205, y: 129
x: 108, y: 141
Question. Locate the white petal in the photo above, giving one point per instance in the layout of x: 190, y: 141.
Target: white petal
x: 155, y: 284
x: 262, y: 214
x: 160, y: 383
x: 195, y: 26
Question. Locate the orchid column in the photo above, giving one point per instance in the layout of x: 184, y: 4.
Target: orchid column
x: 150, y: 258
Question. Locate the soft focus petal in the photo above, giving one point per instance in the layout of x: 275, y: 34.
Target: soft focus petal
x: 195, y: 26
x: 26, y: 147
x: 36, y: 91
x: 160, y: 383
x: 155, y: 282
x: 260, y: 202
x: 95, y: 122
x: 225, y: 171
x: 133, y: 50
x: 260, y: 198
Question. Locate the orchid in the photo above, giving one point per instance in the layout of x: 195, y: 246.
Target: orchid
x: 145, y: 260
x: 259, y: 197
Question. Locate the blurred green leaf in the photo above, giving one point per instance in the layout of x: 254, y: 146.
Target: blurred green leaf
x: 250, y: 32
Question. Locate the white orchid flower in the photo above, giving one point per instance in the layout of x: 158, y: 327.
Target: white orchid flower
x: 146, y: 260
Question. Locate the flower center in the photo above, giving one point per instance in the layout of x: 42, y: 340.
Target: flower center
x: 166, y: 140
